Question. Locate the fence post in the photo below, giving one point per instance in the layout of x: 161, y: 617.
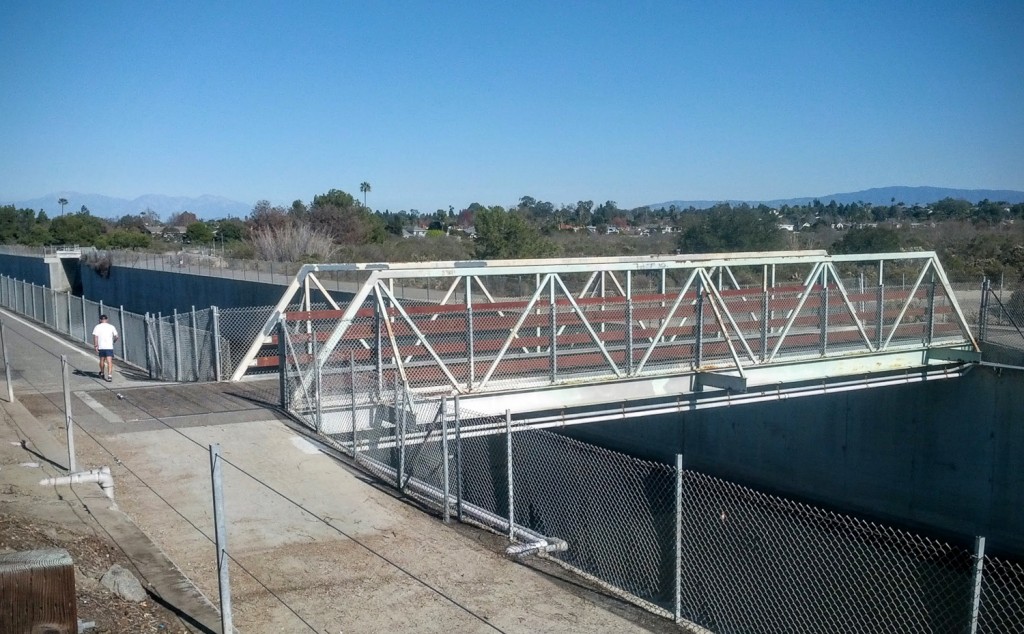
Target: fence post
x: 445, y: 511
x: 7, y: 364
x: 629, y: 323
x: 554, y: 331
x: 282, y: 361
x: 147, y: 335
x: 508, y: 470
x: 400, y: 428
x: 71, y: 328
x: 120, y: 330
x: 823, y: 312
x: 220, y: 533
x: 678, y: 576
x: 458, y: 461
x: 215, y: 313
x: 471, y: 374
x: 318, y: 387
x: 85, y: 323
x: 979, y: 564
x: 698, y: 325
x: 160, y: 342
x: 176, y: 338
x: 931, y: 309
x: 194, y: 324
x: 352, y: 382
x: 67, y: 413
x: 983, y: 310
x: 879, y: 331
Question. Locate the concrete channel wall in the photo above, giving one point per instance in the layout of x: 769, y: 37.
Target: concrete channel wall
x: 944, y: 457
x: 145, y: 290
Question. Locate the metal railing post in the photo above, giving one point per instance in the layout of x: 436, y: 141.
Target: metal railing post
x: 880, y: 328
x: 147, y: 334
x: 68, y: 422
x: 215, y: 336
x: 193, y: 323
x: 458, y: 460
x: 221, y: 534
x: 471, y: 356
x: 282, y: 363
x: 445, y: 511
x: 318, y: 386
x: 979, y: 565
x: 400, y: 428
x: 352, y: 382
x: 678, y: 576
x: 764, y: 313
x: 698, y: 324
x: 823, y: 312
x: 160, y: 342
x: 983, y: 310
x: 120, y: 331
x: 931, y: 310
x: 554, y: 332
x: 629, y: 323
x: 508, y: 471
x: 379, y: 334
x: 7, y: 364
x: 85, y: 322
x: 176, y: 339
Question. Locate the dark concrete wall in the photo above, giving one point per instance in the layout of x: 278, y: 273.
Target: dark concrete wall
x: 945, y: 457
x: 143, y: 290
x: 29, y: 269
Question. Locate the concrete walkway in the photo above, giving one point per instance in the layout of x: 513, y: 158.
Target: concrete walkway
x: 315, y: 545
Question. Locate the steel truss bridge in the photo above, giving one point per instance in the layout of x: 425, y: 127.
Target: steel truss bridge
x: 562, y: 341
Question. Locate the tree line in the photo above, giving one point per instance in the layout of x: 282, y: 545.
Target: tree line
x: 986, y: 238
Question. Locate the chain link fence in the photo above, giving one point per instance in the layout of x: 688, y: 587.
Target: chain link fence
x: 712, y: 555
x: 177, y: 347
x: 1001, y: 316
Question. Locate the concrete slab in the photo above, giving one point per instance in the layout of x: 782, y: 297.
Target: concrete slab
x: 315, y: 544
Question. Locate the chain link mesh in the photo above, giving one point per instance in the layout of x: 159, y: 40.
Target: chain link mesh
x: 180, y: 347
x: 1001, y: 609
x: 746, y: 561
x: 756, y: 562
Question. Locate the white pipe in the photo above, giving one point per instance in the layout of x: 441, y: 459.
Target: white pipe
x: 101, y: 475
x: 529, y: 548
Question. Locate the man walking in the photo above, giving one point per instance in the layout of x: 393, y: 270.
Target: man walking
x: 103, y: 337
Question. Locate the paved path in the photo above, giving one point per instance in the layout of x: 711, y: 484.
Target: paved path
x: 315, y: 545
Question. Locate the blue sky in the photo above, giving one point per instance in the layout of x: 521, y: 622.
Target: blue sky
x: 448, y: 103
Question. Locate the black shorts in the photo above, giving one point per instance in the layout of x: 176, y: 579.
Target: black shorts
x: 107, y: 353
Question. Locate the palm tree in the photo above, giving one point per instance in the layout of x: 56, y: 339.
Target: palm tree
x: 365, y: 188
x: 62, y: 202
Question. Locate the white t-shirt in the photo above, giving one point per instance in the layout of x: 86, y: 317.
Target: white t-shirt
x: 104, y: 333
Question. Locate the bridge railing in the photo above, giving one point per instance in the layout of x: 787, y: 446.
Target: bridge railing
x: 516, y: 324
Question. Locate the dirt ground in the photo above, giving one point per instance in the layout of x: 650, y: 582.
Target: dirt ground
x: 93, y: 555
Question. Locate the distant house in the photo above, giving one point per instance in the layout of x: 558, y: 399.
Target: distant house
x: 414, y: 232
x: 787, y: 227
x: 173, y: 234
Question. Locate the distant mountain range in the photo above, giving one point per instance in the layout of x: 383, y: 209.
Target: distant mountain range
x: 876, y: 196
x: 206, y: 207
